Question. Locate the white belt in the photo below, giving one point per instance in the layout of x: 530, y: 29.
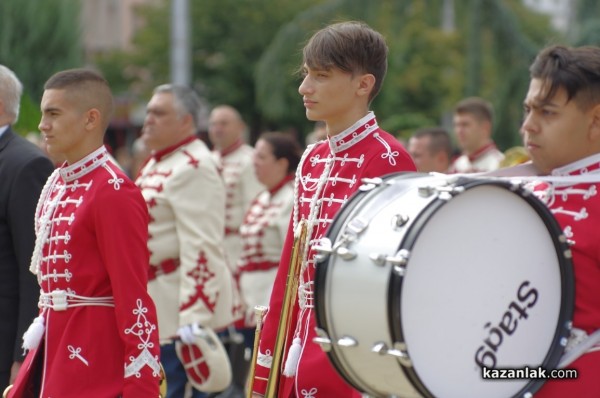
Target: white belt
x: 60, y: 300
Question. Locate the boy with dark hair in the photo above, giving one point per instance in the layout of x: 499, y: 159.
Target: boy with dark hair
x: 561, y: 131
x: 344, y: 65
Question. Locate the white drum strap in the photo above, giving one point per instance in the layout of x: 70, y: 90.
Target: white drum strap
x: 579, y: 343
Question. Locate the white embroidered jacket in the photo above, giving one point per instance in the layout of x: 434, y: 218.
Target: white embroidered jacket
x: 189, y: 280
x: 241, y: 187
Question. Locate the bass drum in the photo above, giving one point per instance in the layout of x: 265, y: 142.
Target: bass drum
x: 425, y: 283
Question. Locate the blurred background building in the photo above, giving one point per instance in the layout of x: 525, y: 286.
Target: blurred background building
x: 109, y: 24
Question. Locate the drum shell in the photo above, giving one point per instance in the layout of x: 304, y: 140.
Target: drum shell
x: 359, y: 299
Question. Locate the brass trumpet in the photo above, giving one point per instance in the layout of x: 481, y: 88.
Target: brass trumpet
x: 514, y: 156
x: 259, y: 313
x: 289, y: 298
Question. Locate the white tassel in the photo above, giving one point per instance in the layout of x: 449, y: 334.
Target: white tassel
x: 34, y: 334
x: 293, y: 357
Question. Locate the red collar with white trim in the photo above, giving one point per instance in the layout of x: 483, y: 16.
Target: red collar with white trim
x: 158, y: 155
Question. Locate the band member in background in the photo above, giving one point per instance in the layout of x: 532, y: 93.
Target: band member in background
x: 189, y: 279
x: 96, y: 334
x: 234, y: 158
x: 276, y: 156
x: 344, y: 65
x: 561, y: 131
x: 473, y: 125
x: 226, y: 131
x: 23, y: 171
x: 431, y: 149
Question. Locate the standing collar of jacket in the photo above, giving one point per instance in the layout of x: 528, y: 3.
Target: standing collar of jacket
x: 353, y: 134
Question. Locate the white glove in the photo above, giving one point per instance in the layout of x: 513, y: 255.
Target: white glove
x: 187, y: 333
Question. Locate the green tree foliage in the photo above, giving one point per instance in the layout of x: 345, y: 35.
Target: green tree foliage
x: 585, y: 27
x: 500, y: 41
x: 227, y: 38
x: 245, y: 53
x: 420, y: 76
x: 38, y: 38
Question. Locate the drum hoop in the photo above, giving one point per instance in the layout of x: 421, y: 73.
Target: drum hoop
x: 321, y: 274
x: 563, y: 326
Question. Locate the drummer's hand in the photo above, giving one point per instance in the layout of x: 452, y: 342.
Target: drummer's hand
x: 256, y: 395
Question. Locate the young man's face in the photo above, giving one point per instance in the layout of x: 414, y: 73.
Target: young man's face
x: 329, y: 95
x: 424, y: 159
x: 555, y: 132
x: 471, y: 134
x: 63, y: 126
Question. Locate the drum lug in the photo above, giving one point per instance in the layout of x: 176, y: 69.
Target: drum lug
x: 399, y: 261
x: 322, y: 339
x: 399, y: 270
x: 323, y: 248
x: 426, y: 191
x: 399, y: 220
x: 399, y: 352
x: 444, y: 193
x: 347, y: 341
x: 345, y: 253
x: 370, y: 183
x: 378, y: 258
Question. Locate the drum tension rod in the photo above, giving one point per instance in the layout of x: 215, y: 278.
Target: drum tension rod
x: 399, y: 261
x: 369, y: 184
x: 399, y: 352
x: 444, y: 192
x: 325, y: 342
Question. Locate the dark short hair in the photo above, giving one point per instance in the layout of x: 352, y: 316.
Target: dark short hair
x: 284, y: 146
x: 576, y: 69
x: 92, y: 89
x: 439, y: 139
x: 351, y: 47
x: 481, y: 109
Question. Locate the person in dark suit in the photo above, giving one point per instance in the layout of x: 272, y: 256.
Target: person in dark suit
x: 23, y: 171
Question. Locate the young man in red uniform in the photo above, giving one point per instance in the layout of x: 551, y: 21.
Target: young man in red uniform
x: 561, y: 132
x: 343, y: 65
x: 96, y: 334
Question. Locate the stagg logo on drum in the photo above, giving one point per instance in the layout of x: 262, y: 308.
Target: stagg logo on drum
x: 486, y: 354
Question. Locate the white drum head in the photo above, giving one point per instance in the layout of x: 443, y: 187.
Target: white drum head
x: 483, y: 287
x: 487, y: 281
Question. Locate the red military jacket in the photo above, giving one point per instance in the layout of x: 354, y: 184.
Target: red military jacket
x: 100, y: 337
x: 576, y: 206
x: 329, y: 173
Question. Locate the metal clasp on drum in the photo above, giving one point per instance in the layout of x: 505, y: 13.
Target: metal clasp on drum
x: 350, y: 234
x: 398, y: 261
x: 370, y: 183
x: 326, y: 343
x: 443, y: 192
x: 399, y: 351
